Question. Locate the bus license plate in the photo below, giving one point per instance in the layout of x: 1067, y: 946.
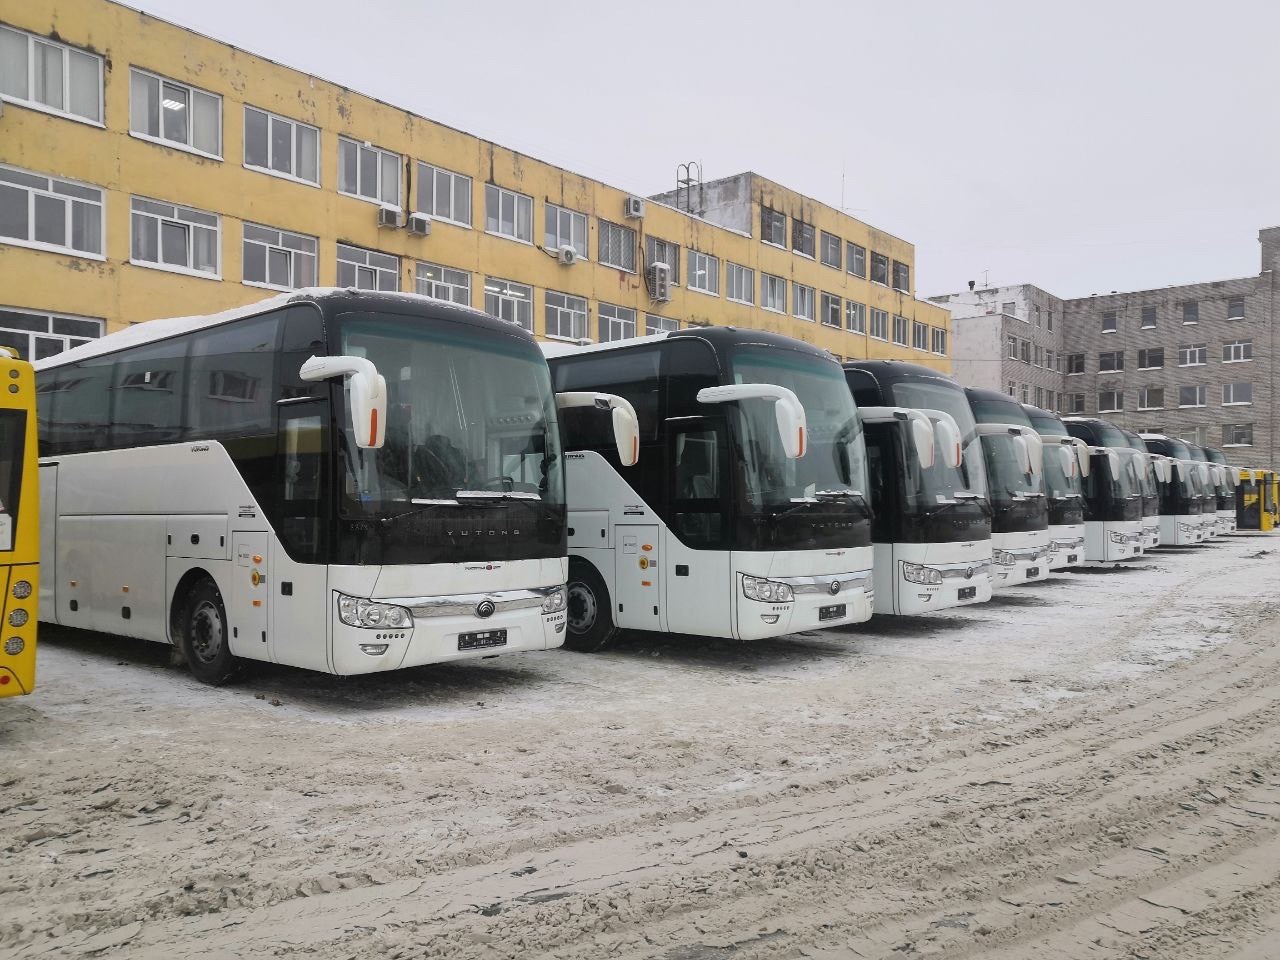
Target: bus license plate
x: 1033, y: 572
x: 833, y: 612
x: 482, y: 639
x: 968, y: 593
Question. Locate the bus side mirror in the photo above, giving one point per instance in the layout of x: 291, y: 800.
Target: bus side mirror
x: 1113, y: 461
x: 1066, y: 459
x: 922, y: 437
x: 1034, y: 451
x: 946, y: 433
x: 1083, y: 458
x: 366, y: 393
x: 787, y: 410
x: 626, y: 425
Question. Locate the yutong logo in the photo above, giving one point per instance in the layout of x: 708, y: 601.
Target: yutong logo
x: 482, y: 533
x: 835, y: 587
x: 485, y: 609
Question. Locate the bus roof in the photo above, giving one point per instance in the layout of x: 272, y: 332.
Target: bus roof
x: 717, y: 337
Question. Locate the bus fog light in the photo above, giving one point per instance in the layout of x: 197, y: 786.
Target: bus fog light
x: 356, y: 612
x: 14, y: 646
x: 1004, y: 558
x: 918, y: 573
x: 766, y: 591
x: 374, y: 649
x: 769, y: 617
x: 554, y: 602
x: 17, y: 618
x: 1117, y: 537
x: 21, y: 590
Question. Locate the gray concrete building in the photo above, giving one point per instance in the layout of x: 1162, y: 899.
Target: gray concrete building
x: 1195, y: 361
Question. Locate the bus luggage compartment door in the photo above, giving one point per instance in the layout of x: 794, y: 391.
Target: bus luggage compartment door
x: 250, y: 593
x: 637, y: 588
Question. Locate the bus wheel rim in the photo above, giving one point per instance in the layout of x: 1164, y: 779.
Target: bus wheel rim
x: 207, y: 632
x: 582, y: 607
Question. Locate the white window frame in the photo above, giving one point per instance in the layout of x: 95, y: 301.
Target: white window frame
x: 504, y: 294
x: 68, y: 201
x: 1143, y: 395
x: 293, y: 254
x: 823, y: 237
x: 871, y: 268
x: 626, y: 245
x: 1202, y: 396
x: 566, y: 306
x: 656, y: 324
x: 920, y: 336
x: 708, y: 265
x: 190, y: 227
x: 1142, y: 317
x: 1115, y: 321
x: 448, y: 280
x: 1117, y: 405
x: 615, y: 319
x: 362, y: 145
x: 1243, y: 308
x: 804, y: 298
x: 1230, y: 389
x: 379, y: 270
x: 737, y: 279
x: 905, y: 326
x: 1233, y: 427
x: 48, y: 333
x: 552, y: 241
x: 939, y: 338
x: 671, y: 257
x: 1148, y: 350
x: 771, y: 285
x: 1229, y: 350
x: 1200, y: 349
x: 162, y: 140
x: 293, y: 147
x: 1114, y: 355
x: 1182, y: 309
x: 849, y: 259
x: 67, y: 51
x: 785, y: 235
x: 855, y: 317
x: 825, y: 303
x: 496, y: 194
x: 427, y: 170
x: 880, y: 319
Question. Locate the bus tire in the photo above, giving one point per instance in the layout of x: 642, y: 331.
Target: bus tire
x: 203, y: 635
x: 589, y: 613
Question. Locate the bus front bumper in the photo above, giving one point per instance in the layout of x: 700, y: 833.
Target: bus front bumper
x: 817, y: 603
x: 1012, y: 565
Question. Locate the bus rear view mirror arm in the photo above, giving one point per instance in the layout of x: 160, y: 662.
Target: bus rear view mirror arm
x: 918, y: 425
x: 626, y: 426
x: 1026, y: 441
x: 366, y: 391
x: 947, y: 433
x: 787, y: 409
x: 1080, y: 450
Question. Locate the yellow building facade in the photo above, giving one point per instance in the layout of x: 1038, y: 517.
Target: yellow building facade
x: 149, y: 171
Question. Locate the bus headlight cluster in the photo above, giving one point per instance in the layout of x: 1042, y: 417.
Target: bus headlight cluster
x: 918, y: 573
x: 767, y: 591
x: 21, y: 590
x: 1004, y: 558
x: 555, y: 601
x: 358, y: 612
x: 1118, y: 537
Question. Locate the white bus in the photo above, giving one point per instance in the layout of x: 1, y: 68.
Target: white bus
x: 747, y: 515
x: 337, y: 480
x: 1113, y: 493
x: 1066, y: 466
x: 1182, y: 520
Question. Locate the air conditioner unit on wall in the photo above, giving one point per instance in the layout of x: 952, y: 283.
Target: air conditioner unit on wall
x: 634, y: 208
x: 388, y: 217
x: 567, y: 255
x: 419, y: 224
x: 658, y: 279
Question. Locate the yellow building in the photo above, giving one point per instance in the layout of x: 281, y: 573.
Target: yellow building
x: 148, y: 171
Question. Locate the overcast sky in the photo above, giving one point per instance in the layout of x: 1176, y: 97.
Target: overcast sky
x: 1085, y: 146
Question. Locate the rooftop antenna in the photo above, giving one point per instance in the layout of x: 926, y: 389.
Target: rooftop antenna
x: 688, y: 176
x: 986, y: 278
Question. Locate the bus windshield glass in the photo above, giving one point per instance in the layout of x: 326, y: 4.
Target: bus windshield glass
x: 940, y: 483
x: 13, y: 437
x: 1061, y: 480
x: 834, y: 463
x: 469, y: 411
x: 1005, y: 475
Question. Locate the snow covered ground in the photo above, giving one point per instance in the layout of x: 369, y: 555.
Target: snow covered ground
x: 1086, y: 767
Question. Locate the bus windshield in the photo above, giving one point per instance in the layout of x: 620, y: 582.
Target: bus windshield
x: 835, y: 461
x: 941, y: 483
x: 1005, y: 475
x: 1061, y: 480
x: 469, y: 412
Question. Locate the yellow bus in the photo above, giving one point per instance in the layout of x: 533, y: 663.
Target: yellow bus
x: 1256, y: 496
x: 19, y: 525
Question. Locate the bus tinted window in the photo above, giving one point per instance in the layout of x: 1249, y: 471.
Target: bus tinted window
x: 81, y: 405
x: 13, y: 431
x: 632, y: 374
x: 149, y: 394
x: 231, y: 378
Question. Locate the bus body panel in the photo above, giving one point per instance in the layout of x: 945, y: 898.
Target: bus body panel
x: 965, y: 569
x: 1031, y: 551
x: 20, y: 541
x: 1180, y: 530
x: 1110, y: 541
x: 1068, y: 545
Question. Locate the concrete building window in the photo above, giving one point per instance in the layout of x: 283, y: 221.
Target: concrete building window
x: 879, y: 324
x: 831, y: 311
x: 1011, y: 347
x: 510, y: 301
x: 1111, y: 361
x: 1025, y: 393
x: 1237, y: 435
x: 1009, y: 308
x: 1110, y: 401
x: 566, y: 316
x: 508, y: 214
x: 1073, y: 403
x: 443, y: 283
x: 1024, y: 351
x: 35, y: 334
x: 1037, y: 355
x: 773, y: 293
x: 615, y: 323
x: 901, y: 277
x: 563, y: 227
x: 1148, y: 318
x: 802, y: 301
x: 50, y: 76
x: 616, y: 246
x: 281, y: 147
x: 1193, y: 354
x: 175, y: 114
x: 773, y: 227
x: 900, y: 326
x: 919, y: 335
x: 832, y: 248
x: 663, y: 251
x: 1075, y: 364
x: 740, y: 283
x: 1237, y: 394
x: 704, y: 273
x: 1011, y: 389
x: 1190, y: 311
x: 168, y: 237
x: 1109, y: 321
x: 879, y: 268
x: 367, y: 269
x: 277, y: 258
x: 1151, y: 398
x: 1049, y: 319
x: 48, y: 213
x: 1151, y: 358
x: 803, y: 237
x: 1237, y: 351
x: 1035, y: 311
x: 655, y: 324
x: 855, y: 317
x: 1195, y: 396
x: 855, y: 258
x: 1235, y: 308
x: 1049, y: 360
x: 940, y: 341
x: 445, y: 195
x: 368, y: 172
x: 1039, y: 396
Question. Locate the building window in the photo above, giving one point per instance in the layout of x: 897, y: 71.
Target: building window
x: 508, y: 214
x: 879, y: 268
x: 740, y: 283
x: 617, y: 246
x: 879, y: 324
x: 41, y: 73
x: 1049, y: 357
x: 1237, y: 435
x: 855, y: 258
x: 1193, y: 396
x: 616, y: 323
x: 1193, y: 354
x: 1039, y: 396
x: 1235, y: 308
x: 919, y: 335
x: 1011, y: 347
x: 443, y: 283
x: 704, y: 273
x: 1049, y: 319
x: 1011, y: 389
x: 940, y: 341
x: 664, y: 251
x: 281, y: 146
x: 1009, y: 308
x: 277, y: 258
x: 1074, y: 403
x: 1111, y: 361
x: 169, y: 237
x: 832, y: 247
x: 566, y: 316
x: 35, y: 334
x: 49, y: 213
x: 367, y: 269
x: 901, y: 277
x: 509, y: 301
x: 1151, y: 358
x: 174, y: 113
x: 1110, y: 401
x: 773, y: 293
x: 655, y: 324
x: 1075, y: 364
x: 773, y: 227
x: 368, y: 172
x: 1025, y: 391
x: 563, y: 227
x: 1237, y: 394
x: 1151, y: 398
x: 1190, y: 311
x: 855, y: 317
x: 802, y: 301
x: 1037, y: 356
x: 445, y: 195
x: 1109, y: 322
x: 831, y: 309
x: 1024, y: 351
x: 1148, y: 318
x: 900, y: 330
x: 1036, y: 314
x: 1237, y: 351
x: 802, y: 237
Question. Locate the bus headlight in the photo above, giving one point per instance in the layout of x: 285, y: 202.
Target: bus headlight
x: 21, y: 590
x: 766, y: 591
x: 1117, y: 537
x: 359, y: 612
x: 918, y: 573
x: 554, y: 602
x: 1004, y: 558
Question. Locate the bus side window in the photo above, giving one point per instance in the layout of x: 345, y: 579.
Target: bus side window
x: 303, y: 445
x: 303, y: 338
x: 80, y: 411
x: 232, y: 369
x: 698, y: 485
x: 629, y: 373
x: 148, y: 387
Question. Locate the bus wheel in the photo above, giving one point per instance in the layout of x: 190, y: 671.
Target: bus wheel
x: 203, y: 635
x: 590, y: 613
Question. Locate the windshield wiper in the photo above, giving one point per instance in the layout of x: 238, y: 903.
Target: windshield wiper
x: 471, y: 495
x: 829, y: 495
